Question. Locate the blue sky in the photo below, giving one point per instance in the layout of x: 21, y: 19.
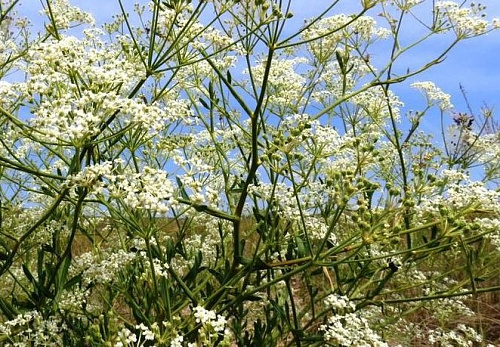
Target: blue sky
x: 474, y: 63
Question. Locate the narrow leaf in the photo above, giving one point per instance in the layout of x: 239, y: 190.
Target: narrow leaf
x: 204, y: 103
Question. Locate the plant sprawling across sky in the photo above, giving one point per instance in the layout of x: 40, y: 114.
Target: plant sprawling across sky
x: 205, y: 173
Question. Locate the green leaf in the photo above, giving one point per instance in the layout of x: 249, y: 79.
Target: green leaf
x: 253, y: 298
x: 29, y: 275
x: 4, y: 244
x: 340, y: 60
x: 41, y: 254
x: 71, y: 282
x: 48, y: 248
x: 318, y: 271
x: 301, y: 247
x: 257, y: 263
x: 63, y: 273
x: 211, y: 90
x: 168, y: 5
x: 204, y: 103
x: 195, y: 269
x: 7, y: 309
x: 23, y: 304
x: 218, y: 276
x: 184, y: 194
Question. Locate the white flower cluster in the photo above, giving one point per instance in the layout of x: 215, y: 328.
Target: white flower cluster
x: 464, y: 193
x: 71, y: 113
x: 74, y: 300
x: 317, y: 229
x: 211, y: 37
x: 327, y: 35
x: 208, y: 242
x: 376, y: 106
x: 74, y: 118
x: 489, y: 147
x: 434, y: 95
x: 330, y: 141
x: 332, y: 86
x: 493, y: 225
x: 21, y: 319
x: 301, y: 137
x: 351, y: 329
x: 177, y: 341
x: 454, y: 175
x: 149, y: 189
x: 192, y: 75
x: 279, y: 194
x: 65, y: 14
x: 285, y: 86
x: 127, y: 338
x: 35, y: 330
x: 179, y: 28
x: 212, y: 324
x: 8, y: 47
x: 101, y: 269
x: 161, y: 268
x: 195, y: 164
x: 347, y: 328
x: 90, y: 176
x: 446, y: 309
x: 53, y: 62
x: 45, y: 234
x: 339, y: 303
x: 465, y: 22
x: 405, y: 5
x: 458, y: 196
x: 462, y: 336
x: 145, y: 331
x: 333, y: 75
x: 8, y: 93
x: 207, y: 317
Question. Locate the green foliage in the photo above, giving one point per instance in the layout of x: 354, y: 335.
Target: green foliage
x: 212, y: 174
